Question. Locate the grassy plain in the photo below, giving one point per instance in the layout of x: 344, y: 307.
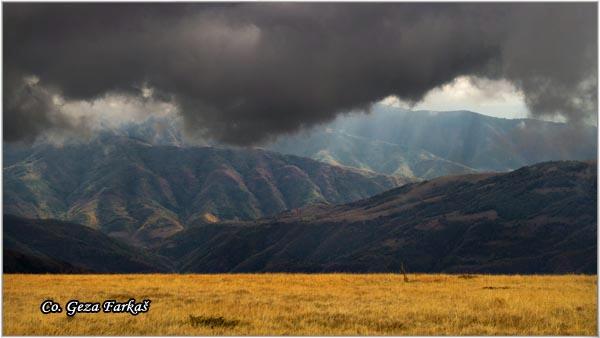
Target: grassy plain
x: 305, y: 304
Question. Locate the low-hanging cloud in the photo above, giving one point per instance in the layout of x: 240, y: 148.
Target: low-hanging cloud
x: 241, y: 73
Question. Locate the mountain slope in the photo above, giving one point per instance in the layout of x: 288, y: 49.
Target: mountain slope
x: 19, y: 262
x: 36, y: 246
x: 474, y: 140
x: 339, y: 148
x: 136, y: 191
x: 538, y: 219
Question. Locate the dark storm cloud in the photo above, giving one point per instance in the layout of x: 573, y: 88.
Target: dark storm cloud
x: 241, y: 73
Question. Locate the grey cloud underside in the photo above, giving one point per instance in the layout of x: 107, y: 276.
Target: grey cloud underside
x: 242, y: 73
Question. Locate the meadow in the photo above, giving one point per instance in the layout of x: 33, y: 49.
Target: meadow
x: 307, y: 304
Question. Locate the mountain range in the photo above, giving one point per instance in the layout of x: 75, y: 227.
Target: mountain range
x: 131, y: 189
x: 319, y: 200
x: 428, y: 144
x: 415, y: 144
x: 537, y: 219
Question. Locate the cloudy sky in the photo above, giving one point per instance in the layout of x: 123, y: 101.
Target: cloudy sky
x: 498, y: 98
x: 242, y: 73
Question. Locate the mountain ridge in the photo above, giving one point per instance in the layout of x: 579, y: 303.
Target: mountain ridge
x: 475, y: 223
x: 481, y: 142
x: 537, y: 219
x: 456, y: 142
x: 135, y: 190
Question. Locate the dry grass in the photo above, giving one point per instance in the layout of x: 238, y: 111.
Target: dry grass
x: 299, y: 304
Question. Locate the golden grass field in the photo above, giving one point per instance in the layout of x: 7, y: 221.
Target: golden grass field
x: 304, y: 304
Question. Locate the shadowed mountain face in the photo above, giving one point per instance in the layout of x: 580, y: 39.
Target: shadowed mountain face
x: 130, y: 189
x: 38, y: 246
x: 538, y: 219
x: 18, y: 262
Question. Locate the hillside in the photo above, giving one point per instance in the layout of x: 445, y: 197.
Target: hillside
x: 133, y: 190
x: 538, y: 219
x: 339, y: 148
x: 474, y: 140
x: 42, y: 246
